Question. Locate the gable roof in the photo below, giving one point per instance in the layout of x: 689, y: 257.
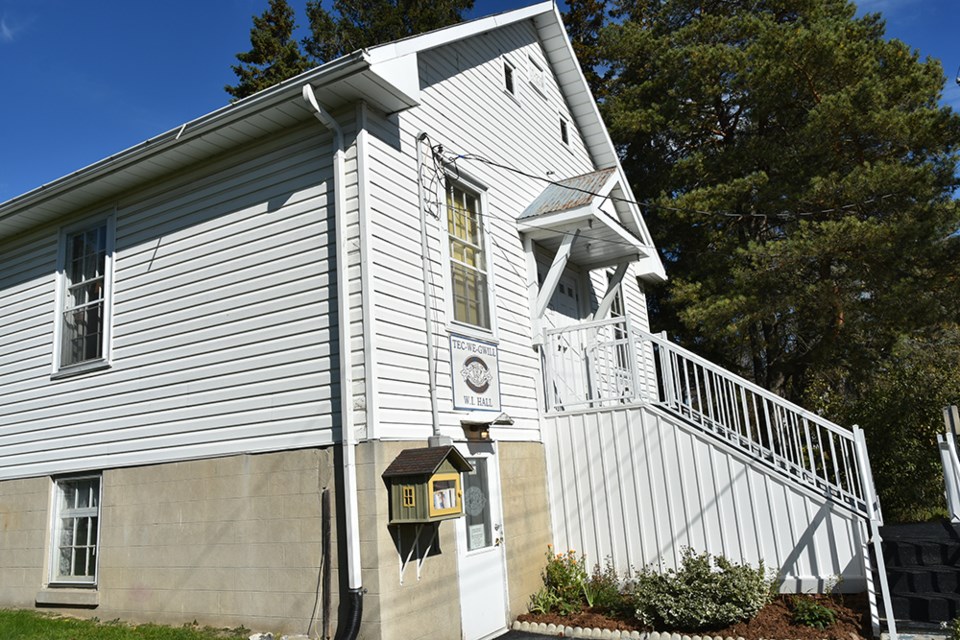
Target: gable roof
x: 424, y: 461
x: 385, y: 76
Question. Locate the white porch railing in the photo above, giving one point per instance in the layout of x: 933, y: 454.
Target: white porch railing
x: 607, y: 363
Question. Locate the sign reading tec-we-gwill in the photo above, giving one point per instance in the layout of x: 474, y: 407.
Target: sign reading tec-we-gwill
x: 476, y: 374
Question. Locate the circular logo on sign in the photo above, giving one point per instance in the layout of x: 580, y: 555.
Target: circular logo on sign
x: 476, y: 374
x: 474, y: 501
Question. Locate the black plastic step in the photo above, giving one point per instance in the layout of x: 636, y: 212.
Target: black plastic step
x: 921, y: 553
x: 927, y: 607
x: 928, y: 579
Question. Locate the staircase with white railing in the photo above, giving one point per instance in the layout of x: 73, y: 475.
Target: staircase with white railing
x: 598, y: 366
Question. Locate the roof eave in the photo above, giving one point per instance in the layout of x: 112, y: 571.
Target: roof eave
x: 289, y: 89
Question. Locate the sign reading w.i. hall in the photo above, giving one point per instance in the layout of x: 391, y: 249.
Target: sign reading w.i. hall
x: 476, y: 374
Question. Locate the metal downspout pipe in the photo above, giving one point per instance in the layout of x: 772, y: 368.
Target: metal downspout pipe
x: 436, y: 439
x: 348, y: 622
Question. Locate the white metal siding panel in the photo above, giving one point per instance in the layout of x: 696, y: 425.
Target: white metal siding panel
x: 224, y: 321
x: 464, y: 108
x: 637, y: 486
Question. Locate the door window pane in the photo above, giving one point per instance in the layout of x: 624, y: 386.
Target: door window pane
x: 476, y: 505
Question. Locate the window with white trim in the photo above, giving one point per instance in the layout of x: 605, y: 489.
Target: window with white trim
x: 85, y: 268
x: 509, y: 72
x: 537, y: 77
x: 469, y: 274
x: 76, y: 530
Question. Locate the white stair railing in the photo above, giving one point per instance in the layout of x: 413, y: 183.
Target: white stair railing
x: 608, y: 363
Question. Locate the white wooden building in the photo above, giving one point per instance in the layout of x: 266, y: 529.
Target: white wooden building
x: 450, y: 208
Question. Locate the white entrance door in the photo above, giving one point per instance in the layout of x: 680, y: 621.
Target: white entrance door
x: 569, y: 382
x: 480, y: 547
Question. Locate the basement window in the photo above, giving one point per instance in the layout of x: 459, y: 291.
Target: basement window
x: 76, y: 531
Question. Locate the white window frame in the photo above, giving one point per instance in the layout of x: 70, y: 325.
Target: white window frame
x: 59, y: 369
x: 57, y: 512
x: 565, y: 130
x: 514, y: 77
x: 453, y: 325
x: 537, y: 75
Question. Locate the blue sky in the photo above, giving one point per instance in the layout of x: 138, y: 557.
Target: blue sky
x: 83, y: 80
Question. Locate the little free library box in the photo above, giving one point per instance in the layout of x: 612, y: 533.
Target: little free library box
x: 424, y: 485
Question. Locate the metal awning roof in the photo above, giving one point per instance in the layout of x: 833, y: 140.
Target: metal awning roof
x: 610, y: 231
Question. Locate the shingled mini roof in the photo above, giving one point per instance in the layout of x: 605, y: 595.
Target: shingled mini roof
x: 425, y: 461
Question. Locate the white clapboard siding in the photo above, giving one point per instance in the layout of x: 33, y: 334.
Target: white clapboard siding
x: 225, y: 330
x: 634, y: 485
x: 465, y: 108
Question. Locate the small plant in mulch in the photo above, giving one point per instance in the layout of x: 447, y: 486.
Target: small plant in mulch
x: 564, y: 578
x: 811, y: 613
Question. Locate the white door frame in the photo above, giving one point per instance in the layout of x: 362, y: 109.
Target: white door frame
x: 487, y: 451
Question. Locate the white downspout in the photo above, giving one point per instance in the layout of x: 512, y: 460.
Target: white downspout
x: 350, y: 627
x: 436, y: 439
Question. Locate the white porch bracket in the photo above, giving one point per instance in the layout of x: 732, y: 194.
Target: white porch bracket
x: 550, y: 283
x: 612, y: 288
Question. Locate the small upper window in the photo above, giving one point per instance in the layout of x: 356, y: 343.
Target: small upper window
x: 508, y: 73
x: 564, y: 131
x: 76, y: 530
x: 469, y: 275
x: 85, y: 281
x: 537, y: 77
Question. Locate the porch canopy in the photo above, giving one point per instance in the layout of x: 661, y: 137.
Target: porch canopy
x: 587, y: 220
x: 592, y: 209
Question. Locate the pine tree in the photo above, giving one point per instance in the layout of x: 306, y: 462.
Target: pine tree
x: 357, y: 24
x: 585, y: 20
x: 801, y: 171
x: 274, y: 55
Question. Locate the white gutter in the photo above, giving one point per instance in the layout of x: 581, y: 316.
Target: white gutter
x: 348, y: 436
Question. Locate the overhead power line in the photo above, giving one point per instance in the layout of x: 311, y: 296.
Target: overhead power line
x: 449, y: 158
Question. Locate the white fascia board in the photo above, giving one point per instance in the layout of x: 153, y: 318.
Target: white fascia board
x: 587, y: 115
x: 550, y: 221
x: 260, y: 101
x: 400, y: 75
x: 454, y: 33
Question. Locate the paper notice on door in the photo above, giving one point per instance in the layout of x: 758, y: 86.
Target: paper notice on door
x: 478, y: 536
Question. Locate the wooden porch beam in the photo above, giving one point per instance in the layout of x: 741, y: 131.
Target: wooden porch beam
x: 552, y: 279
x: 612, y: 288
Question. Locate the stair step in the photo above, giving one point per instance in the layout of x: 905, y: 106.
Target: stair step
x: 920, y: 553
x: 928, y: 579
x: 927, y: 607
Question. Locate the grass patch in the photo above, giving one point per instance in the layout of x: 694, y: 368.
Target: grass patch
x: 35, y: 625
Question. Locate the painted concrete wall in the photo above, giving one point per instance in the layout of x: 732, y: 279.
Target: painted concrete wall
x: 24, y: 524
x: 225, y: 541
x: 526, y: 515
x: 635, y: 485
x: 429, y: 608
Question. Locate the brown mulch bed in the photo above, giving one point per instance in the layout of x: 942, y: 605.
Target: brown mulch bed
x: 773, y: 621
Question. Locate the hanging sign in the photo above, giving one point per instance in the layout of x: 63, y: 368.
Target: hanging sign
x: 476, y: 374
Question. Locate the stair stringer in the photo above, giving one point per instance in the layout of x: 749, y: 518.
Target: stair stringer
x: 637, y: 484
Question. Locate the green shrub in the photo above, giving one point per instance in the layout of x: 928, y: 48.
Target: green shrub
x: 564, y: 578
x: 700, y: 595
x: 602, y: 589
x: 954, y: 628
x: 810, y: 613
